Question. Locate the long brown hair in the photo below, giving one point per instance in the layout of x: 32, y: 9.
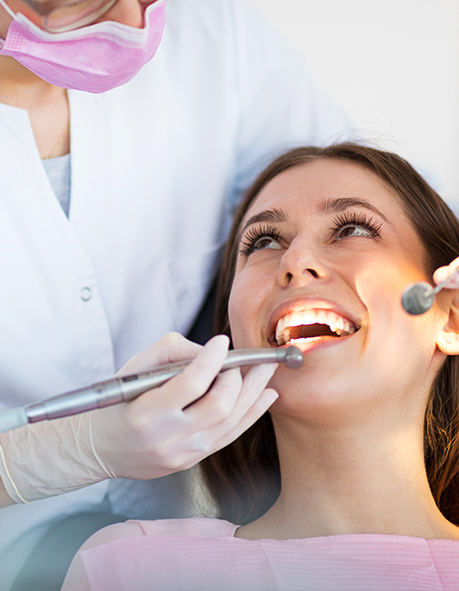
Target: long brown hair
x: 244, y: 478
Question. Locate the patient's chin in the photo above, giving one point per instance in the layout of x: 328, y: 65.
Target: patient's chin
x: 322, y: 399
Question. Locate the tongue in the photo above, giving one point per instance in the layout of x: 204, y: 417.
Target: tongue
x: 311, y: 330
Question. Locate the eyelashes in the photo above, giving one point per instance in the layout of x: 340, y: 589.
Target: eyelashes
x: 349, y: 220
x: 345, y: 225
x: 255, y: 237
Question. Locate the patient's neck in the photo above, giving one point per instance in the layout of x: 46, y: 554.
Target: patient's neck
x: 361, y: 479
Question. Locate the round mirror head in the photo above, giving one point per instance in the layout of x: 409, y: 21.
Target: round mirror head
x: 417, y: 298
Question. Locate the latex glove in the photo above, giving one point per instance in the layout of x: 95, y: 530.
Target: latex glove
x: 152, y: 436
x: 48, y: 458
x: 159, y: 432
x: 443, y: 273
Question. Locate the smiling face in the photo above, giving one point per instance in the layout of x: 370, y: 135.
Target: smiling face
x: 325, y: 253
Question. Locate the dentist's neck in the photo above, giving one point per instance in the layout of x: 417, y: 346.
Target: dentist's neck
x: 19, y: 87
x: 47, y: 105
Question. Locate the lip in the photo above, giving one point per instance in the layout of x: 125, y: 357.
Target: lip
x: 309, y: 303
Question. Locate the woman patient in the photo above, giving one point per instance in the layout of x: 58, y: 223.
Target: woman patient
x: 351, y: 481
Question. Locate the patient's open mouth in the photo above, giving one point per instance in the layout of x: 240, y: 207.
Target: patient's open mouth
x: 310, y: 324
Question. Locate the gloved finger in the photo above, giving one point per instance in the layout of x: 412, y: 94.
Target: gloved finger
x: 227, y: 397
x: 252, y: 390
x: 258, y: 408
x: 180, y: 433
x: 203, y: 443
x: 217, y: 403
x: 443, y: 273
x: 197, y: 377
x: 230, y: 398
x: 170, y: 348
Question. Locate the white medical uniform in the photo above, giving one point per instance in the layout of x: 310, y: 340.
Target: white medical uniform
x: 154, y: 167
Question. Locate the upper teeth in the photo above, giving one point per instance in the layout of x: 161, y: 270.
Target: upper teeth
x: 338, y: 324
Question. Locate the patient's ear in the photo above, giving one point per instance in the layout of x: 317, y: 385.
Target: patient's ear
x: 448, y: 337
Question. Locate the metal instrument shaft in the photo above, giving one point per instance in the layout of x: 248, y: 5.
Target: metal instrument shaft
x: 126, y: 388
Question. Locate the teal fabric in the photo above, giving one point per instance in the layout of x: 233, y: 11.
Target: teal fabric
x: 47, y: 565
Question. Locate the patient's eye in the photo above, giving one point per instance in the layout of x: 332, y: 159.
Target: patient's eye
x: 351, y: 224
x: 259, y: 239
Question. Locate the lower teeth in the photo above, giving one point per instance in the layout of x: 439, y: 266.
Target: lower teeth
x: 302, y: 340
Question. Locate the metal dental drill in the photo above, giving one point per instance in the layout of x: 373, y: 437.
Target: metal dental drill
x: 126, y: 388
x: 419, y: 297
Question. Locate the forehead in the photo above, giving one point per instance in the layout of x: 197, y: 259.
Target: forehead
x: 306, y: 188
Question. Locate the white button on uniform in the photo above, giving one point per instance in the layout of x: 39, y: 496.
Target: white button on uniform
x: 85, y: 294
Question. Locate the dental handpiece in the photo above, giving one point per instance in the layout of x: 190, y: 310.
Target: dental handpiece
x: 419, y: 297
x: 125, y: 388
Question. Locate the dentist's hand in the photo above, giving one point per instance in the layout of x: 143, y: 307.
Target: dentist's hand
x: 443, y: 273
x: 194, y: 414
x: 164, y: 430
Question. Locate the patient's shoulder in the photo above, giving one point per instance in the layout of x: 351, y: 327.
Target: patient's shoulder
x: 128, y: 529
x: 76, y: 578
x: 197, y: 527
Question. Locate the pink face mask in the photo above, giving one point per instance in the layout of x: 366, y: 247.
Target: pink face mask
x: 94, y: 58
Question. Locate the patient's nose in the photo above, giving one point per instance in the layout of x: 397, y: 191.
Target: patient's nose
x: 301, y: 264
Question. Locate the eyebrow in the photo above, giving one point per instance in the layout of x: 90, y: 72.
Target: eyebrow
x: 268, y: 215
x: 343, y: 203
x: 325, y: 206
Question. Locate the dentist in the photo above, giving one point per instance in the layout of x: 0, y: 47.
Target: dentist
x: 119, y: 173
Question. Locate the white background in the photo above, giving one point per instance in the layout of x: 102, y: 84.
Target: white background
x: 394, y: 67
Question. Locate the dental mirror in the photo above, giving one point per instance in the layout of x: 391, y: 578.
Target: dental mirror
x: 419, y: 297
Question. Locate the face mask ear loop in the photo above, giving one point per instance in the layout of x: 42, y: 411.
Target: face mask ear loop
x: 8, y: 9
